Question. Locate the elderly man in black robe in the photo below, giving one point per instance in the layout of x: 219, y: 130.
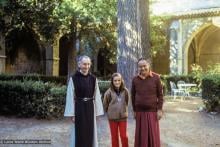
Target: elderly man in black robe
x: 83, y: 104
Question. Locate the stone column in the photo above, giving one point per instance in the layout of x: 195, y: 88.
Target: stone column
x: 180, y: 49
x: 56, y: 56
x: 52, y: 58
x: 174, y: 45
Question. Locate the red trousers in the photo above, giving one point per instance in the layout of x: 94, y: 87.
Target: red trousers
x: 115, y: 128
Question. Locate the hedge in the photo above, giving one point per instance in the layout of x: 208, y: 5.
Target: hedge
x: 103, y: 86
x: 53, y: 79
x: 211, y: 92
x: 28, y: 98
x: 31, y: 99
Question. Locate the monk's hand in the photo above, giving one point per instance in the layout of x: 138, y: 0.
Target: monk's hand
x: 73, y: 119
x: 98, y: 118
x: 159, y: 114
x: 134, y: 113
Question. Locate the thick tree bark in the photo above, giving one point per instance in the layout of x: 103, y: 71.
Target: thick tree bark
x: 143, y: 24
x: 133, y: 36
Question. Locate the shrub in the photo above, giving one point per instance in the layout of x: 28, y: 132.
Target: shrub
x: 28, y: 98
x: 210, y: 81
x: 31, y: 99
x: 103, y: 86
x: 52, y: 79
x: 211, y: 92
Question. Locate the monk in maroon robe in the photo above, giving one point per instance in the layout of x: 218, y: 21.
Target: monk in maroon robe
x: 147, y: 102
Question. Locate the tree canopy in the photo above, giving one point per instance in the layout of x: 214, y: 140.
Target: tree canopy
x: 92, y: 22
x: 49, y: 17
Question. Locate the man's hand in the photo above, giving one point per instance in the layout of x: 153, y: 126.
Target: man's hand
x: 159, y: 114
x: 73, y: 119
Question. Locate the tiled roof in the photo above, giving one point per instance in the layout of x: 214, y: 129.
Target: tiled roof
x: 197, y: 13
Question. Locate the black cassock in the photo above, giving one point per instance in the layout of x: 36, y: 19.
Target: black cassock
x: 84, y: 109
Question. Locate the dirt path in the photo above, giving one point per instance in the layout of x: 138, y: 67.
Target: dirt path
x: 182, y: 126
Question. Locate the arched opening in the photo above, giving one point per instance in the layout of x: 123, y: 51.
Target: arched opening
x: 63, y: 53
x: 105, y: 68
x: 204, y: 48
x: 23, y: 52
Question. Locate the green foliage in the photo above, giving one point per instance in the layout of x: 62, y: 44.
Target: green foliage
x: 96, y: 28
x: 31, y: 99
x: 211, y: 92
x: 213, y: 69
x: 198, y: 73
x: 103, y: 86
x: 32, y: 14
x: 209, y: 81
x: 158, y: 31
x: 93, y: 23
x: 33, y: 77
x: 3, y: 3
x: 56, y: 91
x: 159, y: 26
x: 34, y: 96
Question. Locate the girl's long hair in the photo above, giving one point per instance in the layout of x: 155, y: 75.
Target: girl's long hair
x: 122, y: 86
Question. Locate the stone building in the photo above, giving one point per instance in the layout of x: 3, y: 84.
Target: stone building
x: 194, y: 33
x: 22, y: 52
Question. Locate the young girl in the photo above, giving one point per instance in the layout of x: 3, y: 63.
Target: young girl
x: 116, y: 105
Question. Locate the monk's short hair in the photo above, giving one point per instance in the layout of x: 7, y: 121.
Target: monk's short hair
x: 83, y: 57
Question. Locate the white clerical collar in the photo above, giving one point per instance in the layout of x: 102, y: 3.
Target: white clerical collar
x: 83, y: 73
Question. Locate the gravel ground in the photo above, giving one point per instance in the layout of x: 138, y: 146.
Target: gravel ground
x: 183, y: 125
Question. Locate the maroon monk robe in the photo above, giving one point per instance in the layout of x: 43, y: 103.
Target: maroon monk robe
x: 147, y: 99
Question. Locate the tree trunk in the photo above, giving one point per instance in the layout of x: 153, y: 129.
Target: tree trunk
x: 143, y: 24
x: 133, y: 36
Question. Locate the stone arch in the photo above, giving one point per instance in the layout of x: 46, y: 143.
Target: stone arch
x: 199, y: 34
x: 186, y: 30
x: 186, y: 46
x: 24, y: 55
x: 204, y: 48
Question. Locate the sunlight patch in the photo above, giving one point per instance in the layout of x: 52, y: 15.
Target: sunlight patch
x: 185, y: 110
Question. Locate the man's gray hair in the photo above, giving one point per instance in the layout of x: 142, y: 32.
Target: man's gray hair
x: 83, y: 57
